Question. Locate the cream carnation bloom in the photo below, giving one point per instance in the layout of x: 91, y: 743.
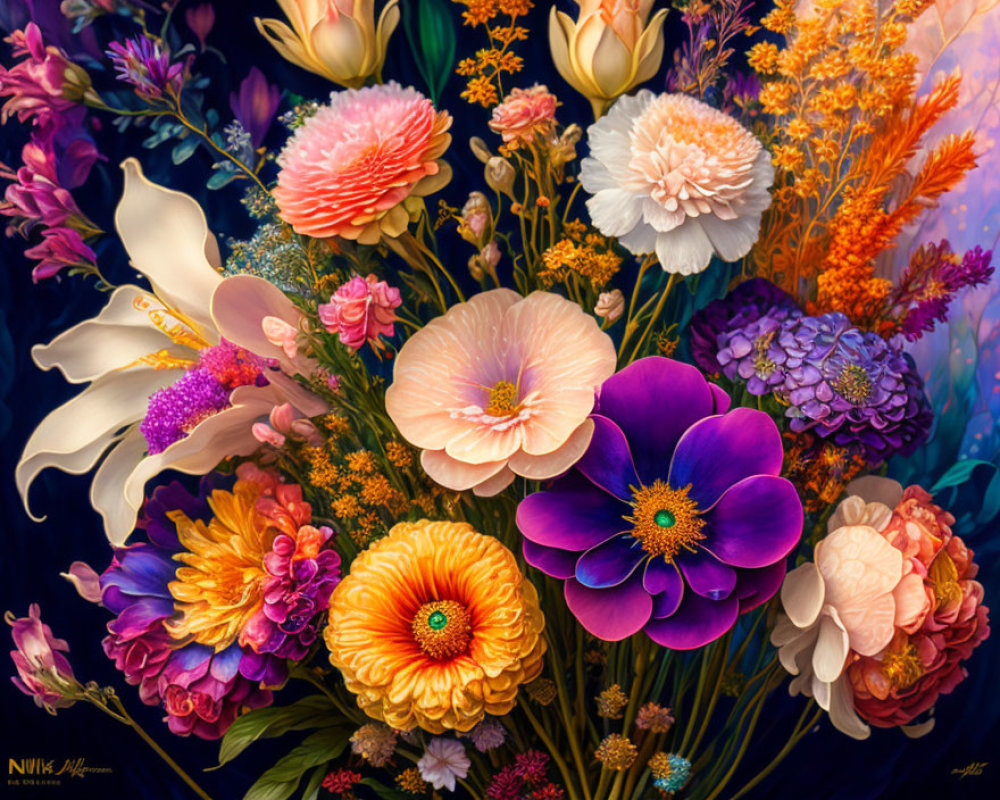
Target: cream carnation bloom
x: 498, y: 386
x: 671, y: 175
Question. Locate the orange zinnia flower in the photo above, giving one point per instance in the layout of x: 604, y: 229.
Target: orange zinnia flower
x: 435, y: 627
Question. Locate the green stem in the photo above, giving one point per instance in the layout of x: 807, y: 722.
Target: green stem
x: 203, y: 133
x: 159, y: 750
x: 793, y: 740
x: 560, y: 762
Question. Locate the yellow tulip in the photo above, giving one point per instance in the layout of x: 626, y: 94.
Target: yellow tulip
x: 609, y: 50
x: 337, y: 39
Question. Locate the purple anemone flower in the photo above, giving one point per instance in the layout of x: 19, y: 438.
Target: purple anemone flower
x: 201, y: 690
x: 747, y: 303
x: 675, y: 520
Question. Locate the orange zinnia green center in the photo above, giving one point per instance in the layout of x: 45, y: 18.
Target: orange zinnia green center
x: 665, y: 520
x: 443, y: 629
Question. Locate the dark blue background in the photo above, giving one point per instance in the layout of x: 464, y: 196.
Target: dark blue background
x: 825, y: 765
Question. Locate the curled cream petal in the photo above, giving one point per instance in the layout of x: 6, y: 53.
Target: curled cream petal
x: 803, y: 594
x: 107, y: 495
x: 540, y: 468
x: 842, y: 714
x: 494, y: 485
x: 876, y: 489
x: 167, y: 238
x: 832, y: 644
x: 456, y: 475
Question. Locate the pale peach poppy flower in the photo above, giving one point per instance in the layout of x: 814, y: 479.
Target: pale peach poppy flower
x: 498, y: 386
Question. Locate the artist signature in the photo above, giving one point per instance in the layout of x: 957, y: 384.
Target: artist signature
x: 972, y: 769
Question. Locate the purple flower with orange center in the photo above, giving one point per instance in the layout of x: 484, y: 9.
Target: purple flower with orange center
x: 676, y: 519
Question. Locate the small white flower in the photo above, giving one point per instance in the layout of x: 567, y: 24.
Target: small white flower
x: 672, y: 175
x: 443, y: 761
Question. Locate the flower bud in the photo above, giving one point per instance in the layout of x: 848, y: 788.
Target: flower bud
x: 500, y: 176
x: 610, y: 305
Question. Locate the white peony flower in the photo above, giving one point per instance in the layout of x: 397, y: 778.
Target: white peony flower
x: 674, y: 176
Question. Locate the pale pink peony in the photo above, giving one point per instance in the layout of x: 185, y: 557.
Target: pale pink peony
x: 523, y: 114
x: 672, y: 175
x: 360, y: 311
x: 348, y: 169
x: 498, y: 386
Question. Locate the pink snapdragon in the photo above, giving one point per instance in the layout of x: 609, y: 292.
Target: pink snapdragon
x: 360, y: 311
x: 59, y: 248
x: 41, y: 667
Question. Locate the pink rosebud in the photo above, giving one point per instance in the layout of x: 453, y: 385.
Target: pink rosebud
x: 303, y: 429
x: 282, y: 417
x: 42, y: 669
x: 200, y: 20
x: 265, y: 434
x: 525, y: 113
x: 360, y: 311
x: 280, y: 334
x: 85, y: 579
x: 610, y: 305
x: 490, y: 255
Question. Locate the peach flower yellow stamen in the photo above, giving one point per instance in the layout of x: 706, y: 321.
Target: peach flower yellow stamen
x: 435, y: 627
x: 609, y: 50
x: 672, y: 175
x: 337, y: 39
x: 498, y: 386
x: 350, y: 169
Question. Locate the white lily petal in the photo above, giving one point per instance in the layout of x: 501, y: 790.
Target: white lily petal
x: 116, y: 338
x: 842, y: 714
x: 106, y: 491
x: 830, y: 654
x: 167, y: 238
x: 73, y: 436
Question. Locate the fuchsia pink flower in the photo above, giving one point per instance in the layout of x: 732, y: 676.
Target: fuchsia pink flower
x: 255, y: 104
x: 41, y: 665
x: 59, y: 248
x: 35, y: 84
x: 360, y: 311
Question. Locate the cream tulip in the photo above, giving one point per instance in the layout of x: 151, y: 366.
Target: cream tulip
x: 337, y: 39
x: 609, y: 50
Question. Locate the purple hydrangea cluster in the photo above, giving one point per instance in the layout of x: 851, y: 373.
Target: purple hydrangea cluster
x: 747, y: 303
x: 202, y: 691
x: 142, y: 64
x: 841, y: 383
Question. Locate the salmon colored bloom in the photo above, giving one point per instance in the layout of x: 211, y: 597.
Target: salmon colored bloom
x: 435, y: 627
x: 348, y: 170
x: 523, y: 114
x: 498, y: 386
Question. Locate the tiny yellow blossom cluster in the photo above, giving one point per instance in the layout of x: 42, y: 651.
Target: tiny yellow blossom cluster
x: 588, y: 255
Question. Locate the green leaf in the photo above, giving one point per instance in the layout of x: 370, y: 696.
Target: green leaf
x: 184, y: 149
x: 314, y: 711
x: 384, y: 791
x: 220, y: 178
x: 311, y: 791
x: 432, y: 41
x: 958, y: 473
x: 281, y: 780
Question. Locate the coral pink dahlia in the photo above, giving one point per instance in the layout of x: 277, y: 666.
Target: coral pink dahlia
x: 671, y: 175
x: 498, y: 386
x: 348, y: 169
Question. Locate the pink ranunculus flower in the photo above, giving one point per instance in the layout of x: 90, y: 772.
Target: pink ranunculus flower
x: 924, y: 658
x: 41, y: 666
x: 523, y: 114
x: 360, y: 311
x: 499, y: 386
x: 348, y: 170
